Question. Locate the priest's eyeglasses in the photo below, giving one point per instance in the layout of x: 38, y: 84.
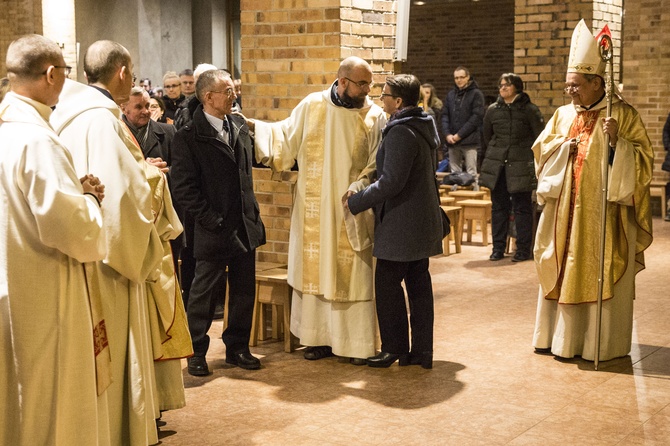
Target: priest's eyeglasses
x: 569, y: 89
x: 67, y: 68
x: 361, y: 84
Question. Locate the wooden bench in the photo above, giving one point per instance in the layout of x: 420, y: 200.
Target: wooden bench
x: 455, y: 215
x: 460, y: 195
x: 657, y: 189
x: 477, y: 211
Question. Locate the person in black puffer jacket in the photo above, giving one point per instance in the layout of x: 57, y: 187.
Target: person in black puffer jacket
x: 511, y: 125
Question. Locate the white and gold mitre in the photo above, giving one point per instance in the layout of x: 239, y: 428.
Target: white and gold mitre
x: 584, y: 52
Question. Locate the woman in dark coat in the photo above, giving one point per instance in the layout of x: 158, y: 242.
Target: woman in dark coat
x: 511, y: 125
x: 408, y: 225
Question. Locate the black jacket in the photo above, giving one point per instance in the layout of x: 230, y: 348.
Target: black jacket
x: 212, y: 181
x: 509, y: 133
x: 408, y: 224
x: 172, y: 105
x: 462, y: 115
x: 184, y: 115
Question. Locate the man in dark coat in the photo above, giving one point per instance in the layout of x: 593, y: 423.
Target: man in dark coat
x: 212, y: 181
x: 462, y: 116
x: 408, y: 225
x: 153, y: 137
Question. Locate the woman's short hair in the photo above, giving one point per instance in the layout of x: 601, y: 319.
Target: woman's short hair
x: 513, y: 79
x: 406, y: 87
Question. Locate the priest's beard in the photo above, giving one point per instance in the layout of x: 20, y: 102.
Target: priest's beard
x: 355, y: 101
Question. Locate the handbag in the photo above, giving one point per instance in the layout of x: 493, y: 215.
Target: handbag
x: 446, y: 223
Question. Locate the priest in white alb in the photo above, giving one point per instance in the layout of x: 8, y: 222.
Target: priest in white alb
x: 54, y: 359
x: 333, y: 135
x: 88, y: 120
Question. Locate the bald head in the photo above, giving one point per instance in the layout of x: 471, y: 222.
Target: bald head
x: 103, y: 60
x: 351, y: 65
x: 29, y: 56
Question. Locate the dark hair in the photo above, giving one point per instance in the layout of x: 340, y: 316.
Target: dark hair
x: 513, y: 79
x: 186, y: 72
x: 406, y: 87
x: 461, y: 68
x: 160, y: 102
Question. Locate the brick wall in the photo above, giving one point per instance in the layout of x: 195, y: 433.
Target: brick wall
x: 289, y: 49
x: 18, y: 17
x: 646, y: 69
x: 274, y: 193
x: 542, y: 33
x: 477, y: 35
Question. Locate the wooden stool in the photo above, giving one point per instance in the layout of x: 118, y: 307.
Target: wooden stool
x: 447, y: 201
x: 454, y: 213
x: 657, y: 189
x: 272, y: 288
x: 477, y: 210
x: 461, y: 195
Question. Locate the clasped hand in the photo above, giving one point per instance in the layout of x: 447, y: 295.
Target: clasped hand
x: 92, y: 185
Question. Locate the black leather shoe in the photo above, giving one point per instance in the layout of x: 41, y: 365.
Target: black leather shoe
x: 384, y: 359
x: 521, y: 257
x: 424, y: 359
x: 318, y: 352
x: 197, y: 366
x: 244, y: 360
x: 497, y: 255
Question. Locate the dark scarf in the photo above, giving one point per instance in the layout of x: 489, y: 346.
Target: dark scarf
x: 337, y: 100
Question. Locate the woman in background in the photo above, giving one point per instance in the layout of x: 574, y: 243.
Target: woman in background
x: 157, y: 109
x: 511, y: 125
x: 429, y: 101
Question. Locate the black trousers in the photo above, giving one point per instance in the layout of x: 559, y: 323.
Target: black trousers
x: 392, y: 311
x: 187, y: 259
x: 502, y: 203
x: 208, y: 287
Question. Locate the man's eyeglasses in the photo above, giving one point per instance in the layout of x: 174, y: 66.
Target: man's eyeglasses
x: 571, y: 89
x: 228, y: 92
x: 360, y: 84
x: 68, y: 69
x: 460, y: 77
x: 383, y: 95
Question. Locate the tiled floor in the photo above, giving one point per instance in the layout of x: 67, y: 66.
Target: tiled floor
x: 487, y: 386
